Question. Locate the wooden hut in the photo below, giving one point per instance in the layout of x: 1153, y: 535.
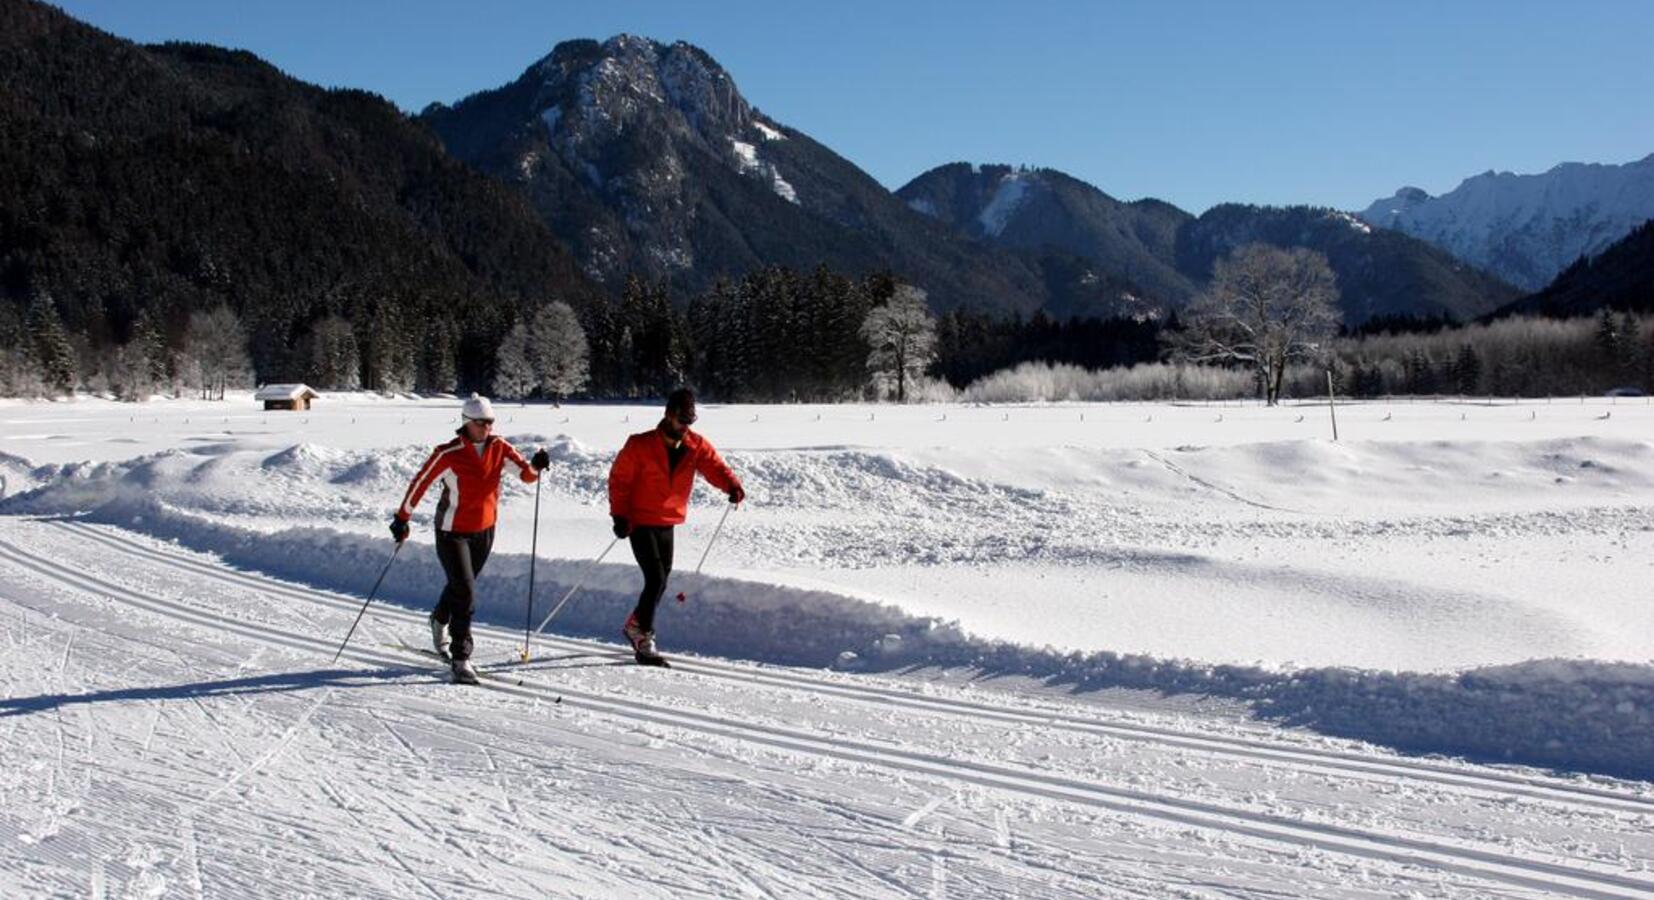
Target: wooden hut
x: 286, y: 396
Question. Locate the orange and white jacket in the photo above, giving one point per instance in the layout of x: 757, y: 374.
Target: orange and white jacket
x: 470, y: 483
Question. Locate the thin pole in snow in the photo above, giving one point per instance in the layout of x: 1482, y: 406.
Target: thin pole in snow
x: 1332, y: 405
x: 533, y: 556
x: 715, y: 531
x: 365, y: 603
x: 577, y: 585
x: 709, y: 543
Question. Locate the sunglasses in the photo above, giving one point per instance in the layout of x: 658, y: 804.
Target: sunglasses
x: 488, y: 422
x: 684, y: 418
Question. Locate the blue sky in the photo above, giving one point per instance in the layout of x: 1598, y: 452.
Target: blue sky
x: 1331, y: 103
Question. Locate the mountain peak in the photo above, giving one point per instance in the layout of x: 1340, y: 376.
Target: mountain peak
x: 1045, y: 211
x: 629, y: 78
x: 645, y: 157
x: 1527, y: 228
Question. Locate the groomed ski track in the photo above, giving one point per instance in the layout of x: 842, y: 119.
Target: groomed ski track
x: 1478, y: 865
x: 1257, y: 749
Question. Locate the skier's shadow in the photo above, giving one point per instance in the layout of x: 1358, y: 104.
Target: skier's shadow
x: 273, y: 683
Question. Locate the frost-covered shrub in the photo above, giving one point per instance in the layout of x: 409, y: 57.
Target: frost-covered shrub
x: 1045, y: 382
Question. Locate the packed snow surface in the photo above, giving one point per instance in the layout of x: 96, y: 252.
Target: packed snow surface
x: 1050, y: 650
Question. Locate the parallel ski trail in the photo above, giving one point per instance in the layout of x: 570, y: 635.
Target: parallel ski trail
x: 1391, y: 848
x: 891, y: 696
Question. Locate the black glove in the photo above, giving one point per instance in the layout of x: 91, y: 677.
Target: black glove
x: 621, y: 528
x: 737, y: 493
x: 541, y: 460
x: 399, y: 529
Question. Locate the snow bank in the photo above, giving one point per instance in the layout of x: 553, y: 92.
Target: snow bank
x: 1570, y: 714
x: 1394, y: 590
x: 18, y: 475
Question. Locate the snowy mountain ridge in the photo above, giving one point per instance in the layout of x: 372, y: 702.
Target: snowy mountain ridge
x: 646, y: 159
x: 1167, y: 255
x: 1526, y: 228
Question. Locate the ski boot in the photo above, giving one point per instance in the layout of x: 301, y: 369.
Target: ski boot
x: 439, y: 638
x: 643, y: 643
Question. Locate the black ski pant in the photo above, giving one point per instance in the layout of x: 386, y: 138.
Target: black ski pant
x: 652, y: 545
x: 462, y: 555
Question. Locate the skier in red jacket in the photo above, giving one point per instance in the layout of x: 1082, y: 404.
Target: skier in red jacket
x: 468, y: 468
x: 649, y: 487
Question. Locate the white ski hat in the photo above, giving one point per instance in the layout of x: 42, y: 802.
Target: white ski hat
x: 478, y: 408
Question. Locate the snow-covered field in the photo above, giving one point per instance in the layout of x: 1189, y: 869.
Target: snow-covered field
x: 1134, y: 650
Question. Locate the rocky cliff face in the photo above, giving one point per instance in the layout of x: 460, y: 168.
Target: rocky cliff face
x: 646, y: 159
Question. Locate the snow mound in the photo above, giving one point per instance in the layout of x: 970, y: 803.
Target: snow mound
x: 375, y: 471
x: 18, y: 475
x: 1208, y: 564
x: 304, y: 460
x: 1571, y: 714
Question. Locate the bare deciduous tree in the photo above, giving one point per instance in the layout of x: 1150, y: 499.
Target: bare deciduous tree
x: 514, y: 376
x: 215, y: 353
x: 129, y: 373
x: 902, y: 335
x: 557, y: 348
x: 1267, y: 307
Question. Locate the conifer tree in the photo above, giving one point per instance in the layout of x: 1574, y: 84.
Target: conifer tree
x: 1467, y: 370
x: 50, y: 344
x: 335, y: 361
x: 389, y: 353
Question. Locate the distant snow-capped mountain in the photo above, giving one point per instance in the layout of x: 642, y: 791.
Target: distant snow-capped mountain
x: 645, y: 158
x: 1170, y: 254
x: 1527, y: 228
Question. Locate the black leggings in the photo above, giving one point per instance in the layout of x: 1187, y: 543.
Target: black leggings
x: 462, y: 556
x: 652, y: 545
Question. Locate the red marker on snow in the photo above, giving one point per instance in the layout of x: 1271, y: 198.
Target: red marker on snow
x: 680, y: 596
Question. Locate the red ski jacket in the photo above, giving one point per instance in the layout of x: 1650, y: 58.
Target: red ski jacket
x: 646, y: 490
x: 470, y: 483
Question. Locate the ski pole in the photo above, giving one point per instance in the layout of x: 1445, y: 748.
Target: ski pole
x: 577, y: 585
x: 709, y: 543
x: 533, y: 555
x: 365, y: 603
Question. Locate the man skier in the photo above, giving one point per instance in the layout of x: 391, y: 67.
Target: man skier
x: 468, y: 468
x: 649, y: 487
